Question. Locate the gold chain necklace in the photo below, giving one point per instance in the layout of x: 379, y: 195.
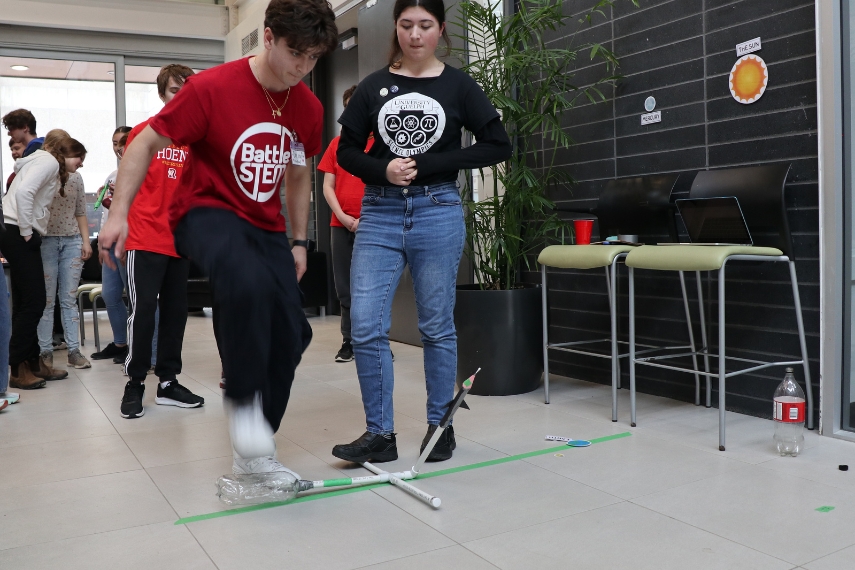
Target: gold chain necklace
x: 275, y: 109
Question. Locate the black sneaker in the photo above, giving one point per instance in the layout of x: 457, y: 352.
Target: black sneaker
x: 345, y: 353
x: 110, y: 351
x: 132, y: 400
x: 369, y: 447
x: 444, y: 445
x: 177, y: 395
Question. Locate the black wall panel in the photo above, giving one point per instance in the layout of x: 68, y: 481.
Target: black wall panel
x: 681, y: 52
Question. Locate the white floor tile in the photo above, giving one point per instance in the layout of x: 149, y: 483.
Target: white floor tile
x: 619, y: 536
x: 36, y: 464
x: 54, y: 511
x: 162, y: 546
x: 764, y: 510
x: 340, y: 532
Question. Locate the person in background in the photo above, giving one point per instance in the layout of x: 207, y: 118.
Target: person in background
x: 17, y: 149
x: 114, y: 281
x: 63, y: 251
x: 25, y: 213
x: 6, y: 398
x: 157, y: 275
x: 21, y: 125
x: 343, y: 192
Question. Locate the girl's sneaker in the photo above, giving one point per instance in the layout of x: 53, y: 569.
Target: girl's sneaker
x: 77, y: 360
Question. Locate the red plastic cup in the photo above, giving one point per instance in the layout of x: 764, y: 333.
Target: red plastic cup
x: 583, y: 231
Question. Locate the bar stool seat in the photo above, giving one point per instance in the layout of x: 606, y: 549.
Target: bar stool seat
x: 691, y: 257
x: 581, y: 256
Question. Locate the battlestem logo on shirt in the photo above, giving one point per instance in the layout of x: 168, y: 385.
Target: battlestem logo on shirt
x: 410, y: 124
x: 259, y: 158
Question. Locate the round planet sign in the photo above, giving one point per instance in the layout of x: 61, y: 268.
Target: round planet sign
x: 748, y: 79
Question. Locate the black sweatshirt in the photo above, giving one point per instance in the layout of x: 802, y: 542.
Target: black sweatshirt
x: 422, y: 118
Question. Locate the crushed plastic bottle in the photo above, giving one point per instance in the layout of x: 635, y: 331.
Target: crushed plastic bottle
x: 257, y: 488
x: 789, y: 415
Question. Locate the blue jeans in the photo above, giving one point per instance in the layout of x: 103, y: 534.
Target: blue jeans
x: 62, y: 264
x: 423, y: 228
x: 113, y: 285
x: 5, y: 334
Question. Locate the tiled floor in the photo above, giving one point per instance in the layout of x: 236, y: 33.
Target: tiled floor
x: 81, y: 487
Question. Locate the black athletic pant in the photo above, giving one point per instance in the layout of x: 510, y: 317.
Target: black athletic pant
x: 261, y: 328
x: 28, y: 292
x: 156, y: 280
x: 342, y: 253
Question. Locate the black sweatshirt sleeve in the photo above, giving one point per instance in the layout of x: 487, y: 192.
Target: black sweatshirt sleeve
x: 492, y: 146
x: 351, y: 156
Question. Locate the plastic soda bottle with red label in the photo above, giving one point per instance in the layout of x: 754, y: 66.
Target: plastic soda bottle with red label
x: 789, y: 415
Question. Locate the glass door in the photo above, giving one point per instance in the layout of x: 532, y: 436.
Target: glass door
x: 848, y: 60
x: 76, y: 96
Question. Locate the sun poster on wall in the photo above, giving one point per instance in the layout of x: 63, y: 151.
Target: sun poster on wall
x: 748, y: 79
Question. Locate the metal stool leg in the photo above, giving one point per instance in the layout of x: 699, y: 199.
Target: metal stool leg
x: 80, y: 316
x: 612, y: 283
x: 631, y: 347
x: 545, y: 335
x: 95, y: 322
x: 802, y: 343
x: 721, y: 360
x: 691, y: 338
x: 706, y: 346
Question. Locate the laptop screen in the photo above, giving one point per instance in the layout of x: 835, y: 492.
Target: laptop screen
x: 714, y: 220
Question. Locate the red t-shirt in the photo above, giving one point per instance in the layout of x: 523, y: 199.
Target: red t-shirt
x: 148, y: 226
x: 349, y: 189
x: 240, y: 151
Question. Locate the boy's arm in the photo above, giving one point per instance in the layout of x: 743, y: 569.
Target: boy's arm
x: 298, y: 190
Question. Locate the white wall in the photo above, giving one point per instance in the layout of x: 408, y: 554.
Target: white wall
x: 154, y: 17
x: 247, y: 15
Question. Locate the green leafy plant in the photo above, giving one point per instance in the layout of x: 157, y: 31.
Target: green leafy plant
x: 531, y: 84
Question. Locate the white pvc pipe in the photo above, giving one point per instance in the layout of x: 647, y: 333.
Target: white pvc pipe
x: 397, y: 479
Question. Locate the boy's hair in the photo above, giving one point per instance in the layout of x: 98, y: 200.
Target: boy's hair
x: 176, y: 71
x: 305, y: 25
x: 348, y: 93
x: 18, y: 119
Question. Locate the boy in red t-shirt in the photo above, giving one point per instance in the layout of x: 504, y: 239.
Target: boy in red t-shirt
x: 157, y: 276
x: 249, y: 124
x: 344, y: 193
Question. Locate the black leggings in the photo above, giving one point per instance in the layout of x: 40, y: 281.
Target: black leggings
x: 28, y: 292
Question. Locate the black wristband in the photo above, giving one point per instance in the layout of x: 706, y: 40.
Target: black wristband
x: 307, y: 243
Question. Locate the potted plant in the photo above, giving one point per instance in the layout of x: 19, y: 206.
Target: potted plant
x: 531, y: 84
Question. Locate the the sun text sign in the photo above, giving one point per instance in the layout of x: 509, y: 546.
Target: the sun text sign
x: 748, y: 47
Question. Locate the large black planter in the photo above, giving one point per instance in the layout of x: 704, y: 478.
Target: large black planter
x: 500, y: 332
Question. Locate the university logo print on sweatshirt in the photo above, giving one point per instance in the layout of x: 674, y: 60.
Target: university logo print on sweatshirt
x: 410, y: 124
x: 259, y: 158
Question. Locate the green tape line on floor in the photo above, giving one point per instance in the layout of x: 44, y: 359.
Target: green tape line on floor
x: 328, y: 494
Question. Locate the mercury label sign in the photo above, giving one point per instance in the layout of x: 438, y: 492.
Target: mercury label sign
x: 650, y: 118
